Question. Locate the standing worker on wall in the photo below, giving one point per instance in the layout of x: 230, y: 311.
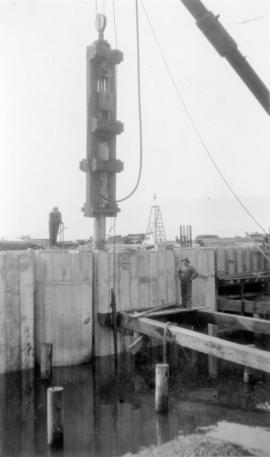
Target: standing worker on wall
x: 186, y: 274
x: 55, y: 220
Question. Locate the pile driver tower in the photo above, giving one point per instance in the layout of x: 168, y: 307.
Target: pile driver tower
x: 101, y: 164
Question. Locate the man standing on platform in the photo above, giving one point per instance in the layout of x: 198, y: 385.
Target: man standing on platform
x: 186, y: 274
x: 55, y: 220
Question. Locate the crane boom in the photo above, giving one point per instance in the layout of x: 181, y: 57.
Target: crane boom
x: 225, y: 45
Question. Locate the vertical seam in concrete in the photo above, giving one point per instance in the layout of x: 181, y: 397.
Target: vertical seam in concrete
x: 5, y: 306
x: 19, y: 309
x: 35, y: 254
x: 4, y: 273
x: 94, y: 293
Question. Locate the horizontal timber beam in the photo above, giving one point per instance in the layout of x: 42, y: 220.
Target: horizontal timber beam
x: 234, y: 321
x: 246, y: 306
x: 227, y: 350
x: 175, y: 311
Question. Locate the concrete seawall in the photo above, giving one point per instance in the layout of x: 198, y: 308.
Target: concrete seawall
x: 47, y: 296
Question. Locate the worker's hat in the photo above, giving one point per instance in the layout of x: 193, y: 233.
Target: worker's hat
x: 55, y: 208
x: 185, y: 260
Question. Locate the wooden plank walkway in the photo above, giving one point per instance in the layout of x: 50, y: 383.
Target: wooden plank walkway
x: 207, y: 316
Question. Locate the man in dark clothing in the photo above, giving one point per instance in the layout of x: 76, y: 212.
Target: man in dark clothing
x: 55, y: 219
x: 186, y: 274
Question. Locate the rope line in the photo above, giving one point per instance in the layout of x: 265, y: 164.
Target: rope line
x: 257, y: 18
x: 195, y: 128
x: 114, y: 253
x: 165, y: 334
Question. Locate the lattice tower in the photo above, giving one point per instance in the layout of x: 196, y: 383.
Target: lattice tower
x: 155, y: 227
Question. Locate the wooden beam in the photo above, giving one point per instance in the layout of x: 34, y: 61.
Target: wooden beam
x: 227, y: 350
x: 167, y: 312
x: 244, y: 323
x: 246, y: 306
x: 149, y: 311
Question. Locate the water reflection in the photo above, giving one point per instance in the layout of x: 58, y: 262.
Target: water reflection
x: 109, y: 413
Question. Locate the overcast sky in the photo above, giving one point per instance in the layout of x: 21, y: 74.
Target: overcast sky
x: 43, y: 116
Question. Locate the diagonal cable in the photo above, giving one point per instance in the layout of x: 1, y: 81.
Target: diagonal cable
x: 195, y: 128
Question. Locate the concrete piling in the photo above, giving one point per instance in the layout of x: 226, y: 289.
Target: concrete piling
x: 55, y: 417
x: 46, y: 361
x: 161, y: 387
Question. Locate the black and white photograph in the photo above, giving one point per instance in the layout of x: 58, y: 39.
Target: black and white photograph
x: 135, y: 228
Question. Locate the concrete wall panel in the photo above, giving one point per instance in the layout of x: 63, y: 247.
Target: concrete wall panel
x: 203, y: 289
x: 240, y: 259
x: 26, y: 282
x: 141, y: 279
x: 16, y: 311
x: 47, y: 295
x: 63, y: 305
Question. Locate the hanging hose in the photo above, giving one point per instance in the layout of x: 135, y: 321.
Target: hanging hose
x: 165, y: 335
x: 114, y: 322
x: 138, y: 180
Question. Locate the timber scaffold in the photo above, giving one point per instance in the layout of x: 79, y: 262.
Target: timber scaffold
x: 154, y: 326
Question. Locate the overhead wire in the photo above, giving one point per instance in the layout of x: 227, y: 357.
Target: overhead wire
x: 114, y: 219
x: 114, y: 253
x: 114, y: 23
x: 113, y: 292
x: 257, y: 18
x: 193, y: 124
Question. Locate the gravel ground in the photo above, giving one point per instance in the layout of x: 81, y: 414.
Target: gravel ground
x: 195, y: 446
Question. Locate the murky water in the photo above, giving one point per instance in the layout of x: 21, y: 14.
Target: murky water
x: 110, y: 413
